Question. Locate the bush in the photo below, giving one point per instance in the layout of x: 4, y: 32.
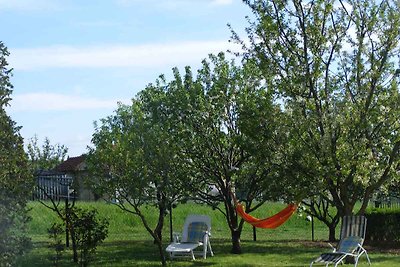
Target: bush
x: 13, y: 219
x: 383, y: 225
x: 88, y: 231
x: 55, y: 234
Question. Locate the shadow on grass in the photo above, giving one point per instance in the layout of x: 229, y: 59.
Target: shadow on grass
x: 137, y: 253
x: 267, y: 253
x: 260, y: 253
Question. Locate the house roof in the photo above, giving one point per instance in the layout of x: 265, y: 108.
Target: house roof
x: 47, y: 173
x: 72, y: 164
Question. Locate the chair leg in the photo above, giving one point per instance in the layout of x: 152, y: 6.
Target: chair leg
x: 366, y: 254
x: 209, y: 247
x: 369, y: 262
x: 205, y: 251
x: 192, y: 254
x: 356, y: 260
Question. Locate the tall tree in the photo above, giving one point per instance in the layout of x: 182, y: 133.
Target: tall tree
x: 14, y: 176
x: 136, y: 162
x: 226, y: 126
x: 47, y: 156
x: 334, y: 66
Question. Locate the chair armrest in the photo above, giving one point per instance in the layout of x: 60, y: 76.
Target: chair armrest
x: 176, y: 237
x: 333, y: 248
x: 206, y: 237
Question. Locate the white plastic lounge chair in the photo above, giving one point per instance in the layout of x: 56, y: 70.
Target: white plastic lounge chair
x: 196, y: 233
x: 352, y: 236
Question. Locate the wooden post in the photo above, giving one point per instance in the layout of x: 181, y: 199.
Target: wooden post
x: 312, y: 222
x: 170, y: 223
x: 312, y: 228
x: 66, y: 224
x: 254, y: 233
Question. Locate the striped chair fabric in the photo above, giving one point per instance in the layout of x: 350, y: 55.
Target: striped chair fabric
x: 349, y: 244
x: 353, y: 226
x: 332, y: 257
x: 196, y: 231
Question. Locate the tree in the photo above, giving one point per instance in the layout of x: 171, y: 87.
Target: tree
x: 82, y: 225
x: 227, y: 128
x: 15, y: 180
x: 333, y: 65
x: 65, y: 212
x: 89, y: 232
x: 135, y: 161
x: 47, y: 156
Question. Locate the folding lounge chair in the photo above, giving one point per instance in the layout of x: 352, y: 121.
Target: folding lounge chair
x: 352, y: 235
x: 196, y: 233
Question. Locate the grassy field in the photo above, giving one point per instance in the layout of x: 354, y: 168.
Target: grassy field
x: 128, y: 244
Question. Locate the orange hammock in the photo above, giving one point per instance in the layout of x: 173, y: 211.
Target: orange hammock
x: 270, y: 222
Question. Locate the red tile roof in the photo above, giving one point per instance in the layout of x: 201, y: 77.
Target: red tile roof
x: 71, y: 164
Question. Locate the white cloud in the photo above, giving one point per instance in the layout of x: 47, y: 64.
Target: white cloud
x: 151, y: 55
x: 32, y: 102
x: 28, y: 5
x: 173, y: 4
x: 221, y: 2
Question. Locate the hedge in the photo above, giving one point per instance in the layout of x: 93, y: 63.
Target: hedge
x: 383, y: 225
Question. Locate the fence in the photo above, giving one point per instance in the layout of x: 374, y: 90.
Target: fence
x: 392, y: 202
x: 54, y: 186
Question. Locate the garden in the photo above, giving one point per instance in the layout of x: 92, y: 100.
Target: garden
x: 307, y: 115
x: 128, y: 243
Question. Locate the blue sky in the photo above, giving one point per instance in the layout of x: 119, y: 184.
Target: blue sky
x: 74, y: 60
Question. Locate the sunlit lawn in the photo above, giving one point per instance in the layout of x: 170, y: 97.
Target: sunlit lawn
x: 128, y: 244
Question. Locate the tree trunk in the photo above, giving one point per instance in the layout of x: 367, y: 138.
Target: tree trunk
x: 332, y: 232
x: 71, y: 230
x: 73, y: 241
x: 161, y: 215
x: 156, y: 233
x: 236, y: 248
x: 158, y: 230
x: 161, y: 251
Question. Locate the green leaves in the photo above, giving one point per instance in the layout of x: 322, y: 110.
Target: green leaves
x: 333, y: 64
x: 47, y: 156
x: 15, y: 180
x: 180, y: 138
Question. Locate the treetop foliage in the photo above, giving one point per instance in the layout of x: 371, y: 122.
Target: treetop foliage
x: 334, y: 66
x: 47, y: 156
x: 15, y: 181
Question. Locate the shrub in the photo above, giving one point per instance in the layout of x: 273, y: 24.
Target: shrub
x: 55, y: 234
x: 88, y: 231
x: 383, y: 225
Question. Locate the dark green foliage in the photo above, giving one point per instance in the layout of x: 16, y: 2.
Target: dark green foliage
x: 56, y: 232
x: 383, y: 225
x: 13, y: 241
x: 15, y: 182
x: 85, y: 230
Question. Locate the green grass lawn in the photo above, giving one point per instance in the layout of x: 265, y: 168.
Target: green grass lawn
x: 128, y: 244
